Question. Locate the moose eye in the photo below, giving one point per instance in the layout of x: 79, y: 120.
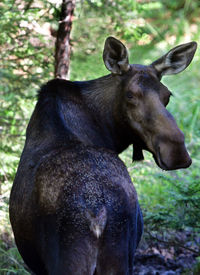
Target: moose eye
x: 129, y: 94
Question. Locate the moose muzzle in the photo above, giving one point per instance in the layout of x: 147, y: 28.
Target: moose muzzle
x: 172, y: 154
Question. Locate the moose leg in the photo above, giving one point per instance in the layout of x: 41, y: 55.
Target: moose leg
x: 139, y: 225
x: 31, y: 257
x: 113, y: 258
x: 116, y: 264
x: 117, y: 249
x: 66, y: 252
x: 77, y: 258
x: 135, y: 235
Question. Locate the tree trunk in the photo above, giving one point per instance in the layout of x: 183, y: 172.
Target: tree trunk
x: 63, y: 49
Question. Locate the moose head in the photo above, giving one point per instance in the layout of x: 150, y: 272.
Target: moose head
x: 143, y: 100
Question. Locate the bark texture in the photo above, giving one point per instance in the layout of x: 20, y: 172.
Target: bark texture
x: 63, y: 49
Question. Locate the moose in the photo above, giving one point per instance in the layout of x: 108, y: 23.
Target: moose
x: 73, y: 207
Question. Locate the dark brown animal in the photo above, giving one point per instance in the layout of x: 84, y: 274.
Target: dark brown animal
x: 73, y: 207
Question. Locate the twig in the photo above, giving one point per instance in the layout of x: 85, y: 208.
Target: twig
x: 173, y: 243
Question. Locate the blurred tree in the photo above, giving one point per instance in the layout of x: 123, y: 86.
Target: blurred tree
x: 63, y: 48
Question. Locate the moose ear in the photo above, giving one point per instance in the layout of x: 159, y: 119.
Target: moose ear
x: 176, y: 60
x: 115, y: 56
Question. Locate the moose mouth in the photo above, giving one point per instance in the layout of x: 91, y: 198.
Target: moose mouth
x: 174, y: 161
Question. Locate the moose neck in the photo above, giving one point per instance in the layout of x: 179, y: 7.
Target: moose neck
x: 102, y: 98
x: 86, y: 112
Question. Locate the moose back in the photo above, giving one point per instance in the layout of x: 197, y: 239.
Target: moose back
x: 73, y: 207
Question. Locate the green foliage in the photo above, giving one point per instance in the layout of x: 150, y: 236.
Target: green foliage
x: 10, y: 261
x: 177, y: 205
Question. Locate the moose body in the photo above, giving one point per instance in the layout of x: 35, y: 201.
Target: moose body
x: 73, y: 207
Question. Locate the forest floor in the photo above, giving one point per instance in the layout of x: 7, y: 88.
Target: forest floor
x: 157, y: 264
x: 164, y: 259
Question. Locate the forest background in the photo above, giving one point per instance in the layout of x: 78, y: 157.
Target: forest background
x: 170, y: 200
